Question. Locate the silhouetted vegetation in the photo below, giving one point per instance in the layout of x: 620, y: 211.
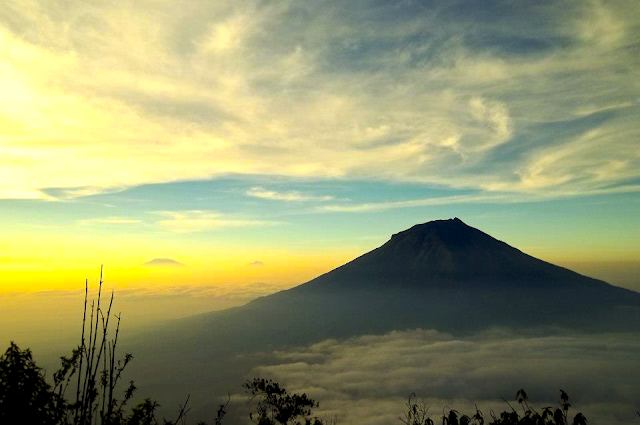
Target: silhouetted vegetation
x: 417, y: 413
x: 277, y: 406
x: 26, y: 398
x: 93, y: 372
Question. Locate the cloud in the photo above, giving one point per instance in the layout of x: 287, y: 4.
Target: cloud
x: 495, y: 114
x: 115, y: 95
x: 243, y: 292
x: 197, y: 221
x: 27, y: 316
x: 293, y: 195
x: 444, y: 200
x: 367, y: 379
x: 494, y: 197
x: 108, y: 220
x: 256, y: 264
x: 163, y: 262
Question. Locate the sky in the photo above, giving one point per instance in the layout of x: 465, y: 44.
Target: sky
x: 210, y: 152
x: 266, y: 142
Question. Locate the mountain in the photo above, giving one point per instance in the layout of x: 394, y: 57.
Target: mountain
x: 163, y: 262
x: 448, y: 254
x: 442, y: 274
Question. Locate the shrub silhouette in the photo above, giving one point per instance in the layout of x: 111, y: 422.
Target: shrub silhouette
x: 25, y: 396
x: 93, y: 369
x: 416, y: 413
x: 277, y: 406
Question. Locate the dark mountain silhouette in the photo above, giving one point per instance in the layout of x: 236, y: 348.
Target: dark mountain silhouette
x: 448, y: 254
x: 440, y: 275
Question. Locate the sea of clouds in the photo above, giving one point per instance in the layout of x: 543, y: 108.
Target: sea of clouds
x: 367, y: 379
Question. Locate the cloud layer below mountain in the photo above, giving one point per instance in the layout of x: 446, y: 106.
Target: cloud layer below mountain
x: 367, y: 379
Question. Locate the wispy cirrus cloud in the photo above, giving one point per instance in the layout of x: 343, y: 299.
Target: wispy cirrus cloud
x: 198, y: 221
x: 532, y: 99
x: 292, y: 195
x: 108, y: 220
x: 493, y: 197
x: 426, y: 202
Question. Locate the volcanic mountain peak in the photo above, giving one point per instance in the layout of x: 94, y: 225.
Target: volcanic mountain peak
x: 443, y: 224
x: 443, y: 244
x: 449, y: 233
x: 449, y: 253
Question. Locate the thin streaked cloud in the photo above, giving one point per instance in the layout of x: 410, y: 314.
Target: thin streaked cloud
x: 108, y: 220
x: 444, y: 200
x: 199, y: 221
x: 294, y: 195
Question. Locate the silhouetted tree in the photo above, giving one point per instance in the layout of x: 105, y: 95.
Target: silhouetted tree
x: 25, y: 396
x: 277, y: 406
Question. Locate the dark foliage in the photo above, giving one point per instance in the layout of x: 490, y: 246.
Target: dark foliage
x: 277, y: 406
x: 93, y: 372
x: 416, y: 413
x: 25, y: 396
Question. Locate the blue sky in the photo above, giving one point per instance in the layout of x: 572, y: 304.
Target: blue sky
x: 315, y: 214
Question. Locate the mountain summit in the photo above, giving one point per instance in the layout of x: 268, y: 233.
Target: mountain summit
x: 448, y: 253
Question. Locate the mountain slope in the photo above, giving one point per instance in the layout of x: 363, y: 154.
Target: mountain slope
x: 442, y: 274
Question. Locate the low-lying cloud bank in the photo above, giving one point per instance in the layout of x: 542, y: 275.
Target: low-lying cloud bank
x: 367, y: 379
x: 49, y: 322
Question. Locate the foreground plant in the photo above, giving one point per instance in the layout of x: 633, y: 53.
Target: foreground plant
x: 92, y: 372
x: 416, y: 413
